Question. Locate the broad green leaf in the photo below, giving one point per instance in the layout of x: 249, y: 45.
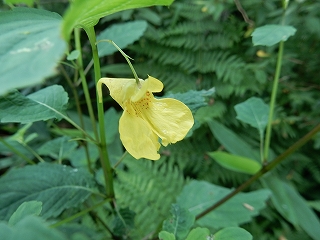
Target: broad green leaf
x: 35, y: 107
x: 315, y: 205
x: 26, y: 209
x: 292, y: 205
x: 123, y: 222
x: 78, y: 158
x: 85, y: 14
x: 199, y: 234
x: 236, y: 163
x: 27, y: 2
x: 58, y: 187
x: 254, y: 112
x: 58, y: 148
x: 197, y: 196
x: 122, y: 34
x: 163, y: 235
x: 180, y: 222
x: 73, y: 55
x: 232, y: 142
x: 234, y: 233
x: 30, y: 47
x: 269, y: 35
x: 30, y: 228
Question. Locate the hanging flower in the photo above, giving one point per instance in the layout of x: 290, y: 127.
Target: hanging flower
x: 146, y: 118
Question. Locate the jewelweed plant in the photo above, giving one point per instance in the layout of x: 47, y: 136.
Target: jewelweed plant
x: 203, y: 159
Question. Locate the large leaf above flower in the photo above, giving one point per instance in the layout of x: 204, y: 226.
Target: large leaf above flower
x: 84, y: 13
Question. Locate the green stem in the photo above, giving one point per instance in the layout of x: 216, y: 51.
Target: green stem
x: 266, y: 168
x: 273, y: 102
x: 104, y: 158
x: 32, y: 151
x: 84, y: 82
x: 127, y: 59
x: 16, y: 151
x: 79, y: 214
x: 76, y: 99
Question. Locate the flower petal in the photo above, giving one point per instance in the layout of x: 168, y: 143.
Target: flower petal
x: 151, y: 84
x: 169, y: 118
x: 137, y: 137
x: 121, y: 89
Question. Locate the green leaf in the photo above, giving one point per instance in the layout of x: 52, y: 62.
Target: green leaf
x: 73, y: 55
x: 85, y: 14
x: 193, y: 99
x: 180, y: 222
x: 163, y: 235
x: 269, y: 35
x: 236, y: 163
x: 199, y: 195
x: 234, y: 233
x: 254, y: 112
x: 30, y: 47
x: 35, y: 107
x: 27, y: 2
x: 122, y: 34
x: 26, y: 209
x: 123, y: 222
x: 199, y: 234
x: 58, y: 148
x: 231, y: 141
x: 292, y: 206
x: 78, y: 157
x: 30, y: 228
x: 58, y: 187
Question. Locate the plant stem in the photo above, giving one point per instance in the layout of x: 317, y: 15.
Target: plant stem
x: 76, y: 99
x: 79, y: 214
x: 104, y: 158
x: 273, y: 102
x: 16, y: 151
x: 266, y: 168
x: 84, y: 82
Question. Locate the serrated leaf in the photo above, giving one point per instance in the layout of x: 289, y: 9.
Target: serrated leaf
x: 269, y: 35
x: 180, y: 222
x: 122, y: 34
x: 30, y: 228
x: 58, y: 187
x: 58, y: 148
x: 199, y: 234
x: 292, y: 206
x: 35, y: 107
x: 193, y: 99
x: 231, y: 141
x: 83, y: 13
x: 236, y: 163
x: 234, y: 233
x: 254, y: 112
x: 199, y: 195
x: 30, y: 47
x: 163, y: 235
x: 26, y: 209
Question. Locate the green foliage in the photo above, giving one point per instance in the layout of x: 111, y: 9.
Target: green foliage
x: 122, y: 34
x: 233, y: 233
x: 148, y: 188
x: 32, y: 36
x: 44, y: 104
x: 199, y: 195
x: 25, y: 209
x: 269, y: 35
x: 179, y: 223
x: 57, y: 187
x: 236, y: 163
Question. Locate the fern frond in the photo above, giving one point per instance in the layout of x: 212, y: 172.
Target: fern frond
x: 148, y: 188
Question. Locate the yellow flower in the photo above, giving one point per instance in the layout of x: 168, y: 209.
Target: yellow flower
x: 146, y: 118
